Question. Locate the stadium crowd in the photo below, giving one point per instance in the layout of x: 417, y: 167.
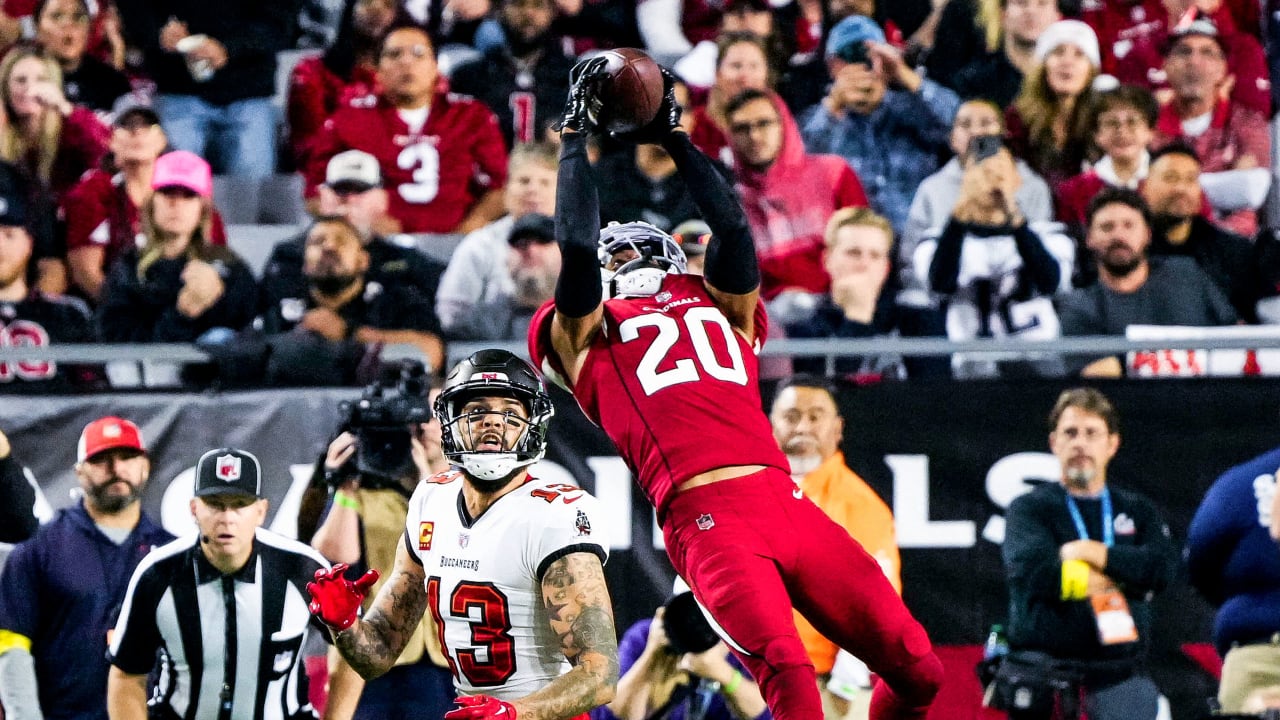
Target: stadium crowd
x: 910, y: 168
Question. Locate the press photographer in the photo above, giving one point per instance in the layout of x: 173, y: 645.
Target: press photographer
x: 388, y: 442
x: 675, y: 666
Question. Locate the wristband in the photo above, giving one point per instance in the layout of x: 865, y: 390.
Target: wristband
x: 734, y: 683
x: 341, y: 499
x: 1075, y: 580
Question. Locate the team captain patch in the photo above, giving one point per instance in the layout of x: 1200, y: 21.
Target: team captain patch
x: 425, y: 531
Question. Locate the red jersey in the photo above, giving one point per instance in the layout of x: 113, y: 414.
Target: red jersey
x: 435, y: 175
x: 80, y: 149
x: 315, y: 93
x: 99, y: 213
x: 672, y: 384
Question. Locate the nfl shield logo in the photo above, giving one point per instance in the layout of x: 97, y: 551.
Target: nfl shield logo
x: 662, y: 297
x: 705, y: 522
x: 463, y: 539
x: 228, y: 468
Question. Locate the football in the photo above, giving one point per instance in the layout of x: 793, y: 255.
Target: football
x: 632, y: 92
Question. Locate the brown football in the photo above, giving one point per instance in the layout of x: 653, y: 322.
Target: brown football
x: 631, y: 95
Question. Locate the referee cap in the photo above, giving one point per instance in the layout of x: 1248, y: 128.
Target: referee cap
x: 227, y: 471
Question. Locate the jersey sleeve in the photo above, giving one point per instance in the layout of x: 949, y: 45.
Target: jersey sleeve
x: 85, y: 210
x: 135, y: 638
x: 490, y: 151
x: 540, y: 350
x: 564, y: 521
x: 761, y: 325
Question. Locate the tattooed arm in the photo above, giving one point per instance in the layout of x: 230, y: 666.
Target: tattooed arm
x: 372, y: 644
x: 581, y: 614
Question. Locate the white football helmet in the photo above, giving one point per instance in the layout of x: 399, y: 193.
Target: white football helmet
x: 658, y: 255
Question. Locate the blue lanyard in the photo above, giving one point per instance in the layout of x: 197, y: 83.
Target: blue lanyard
x: 1108, y: 532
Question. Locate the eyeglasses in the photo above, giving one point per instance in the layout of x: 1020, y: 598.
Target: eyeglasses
x: 1128, y: 122
x: 746, y: 128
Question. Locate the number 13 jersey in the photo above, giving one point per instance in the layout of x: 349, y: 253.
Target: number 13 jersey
x: 484, y: 578
x: 672, y: 384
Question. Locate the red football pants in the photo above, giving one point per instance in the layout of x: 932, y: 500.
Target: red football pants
x: 751, y: 550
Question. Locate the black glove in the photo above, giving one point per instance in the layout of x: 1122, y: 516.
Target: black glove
x: 582, y: 107
x: 664, y: 123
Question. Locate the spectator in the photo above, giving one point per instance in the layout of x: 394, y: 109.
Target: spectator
x: 891, y: 137
x: 62, y: 31
x: 1049, y: 122
x: 1232, y: 561
x: 442, y: 157
x: 998, y: 75
x: 1121, y: 127
x: 27, y: 316
x: 787, y: 193
x: 1172, y: 191
x: 320, y: 85
x: 178, y: 286
x: 742, y: 64
x: 1145, y: 44
x: 643, y: 182
x: 993, y: 270
x: 363, y: 526
x: 353, y: 190
x: 323, y: 333
x: 505, y: 270
x: 101, y: 211
x: 42, y: 132
x: 18, y: 519
x: 936, y: 198
x: 214, y: 65
x: 756, y: 17
x: 231, y: 584
x: 809, y: 428
x: 1227, y: 135
x: 1133, y: 288
x: 1080, y: 544
x: 524, y: 81
x: 670, y: 28
x: 672, y: 665
x: 693, y: 236
x: 61, y: 590
x: 20, y: 19
x: 857, y: 258
x: 970, y: 29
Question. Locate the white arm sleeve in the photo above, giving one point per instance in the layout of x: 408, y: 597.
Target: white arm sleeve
x: 659, y: 23
x: 18, y: 686
x: 1232, y: 190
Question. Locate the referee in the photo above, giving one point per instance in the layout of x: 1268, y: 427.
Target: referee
x: 226, y: 607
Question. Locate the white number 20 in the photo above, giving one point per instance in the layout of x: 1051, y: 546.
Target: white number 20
x: 695, y: 321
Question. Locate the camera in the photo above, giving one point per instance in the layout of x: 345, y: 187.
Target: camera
x: 380, y: 420
x: 854, y: 53
x: 687, y: 628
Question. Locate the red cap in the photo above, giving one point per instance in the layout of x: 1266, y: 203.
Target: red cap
x: 108, y: 433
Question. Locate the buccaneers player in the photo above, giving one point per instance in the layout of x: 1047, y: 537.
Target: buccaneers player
x: 666, y: 366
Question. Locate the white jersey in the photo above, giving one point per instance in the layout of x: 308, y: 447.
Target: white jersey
x: 484, y: 577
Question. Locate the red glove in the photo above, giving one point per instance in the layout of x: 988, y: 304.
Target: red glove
x: 481, y: 707
x: 335, y: 599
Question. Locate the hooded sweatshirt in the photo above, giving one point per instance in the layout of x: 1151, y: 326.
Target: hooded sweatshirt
x: 788, y: 205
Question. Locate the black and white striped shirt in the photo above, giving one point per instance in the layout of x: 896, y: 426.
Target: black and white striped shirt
x: 230, y: 645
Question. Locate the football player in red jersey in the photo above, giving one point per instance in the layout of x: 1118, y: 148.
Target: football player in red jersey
x: 667, y: 345
x: 442, y: 156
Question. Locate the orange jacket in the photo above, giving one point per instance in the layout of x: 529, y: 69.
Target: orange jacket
x: 852, y: 504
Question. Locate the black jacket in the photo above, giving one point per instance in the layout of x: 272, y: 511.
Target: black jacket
x: 134, y: 310
x: 253, y: 31
x: 1143, y: 561
x: 1229, y: 259
x: 494, y: 80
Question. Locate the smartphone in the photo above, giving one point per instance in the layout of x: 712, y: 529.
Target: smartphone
x: 854, y: 54
x: 985, y: 146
